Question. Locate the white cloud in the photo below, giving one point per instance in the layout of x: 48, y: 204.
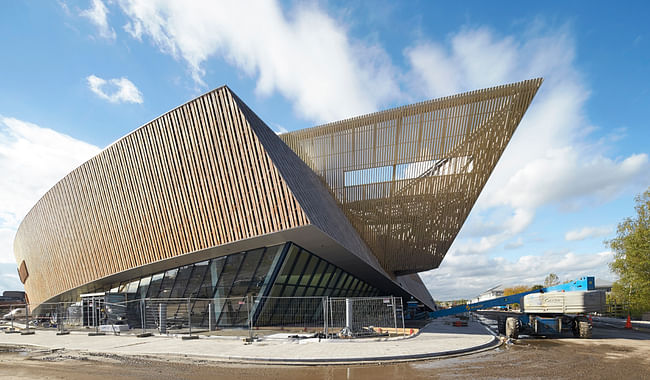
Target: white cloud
x: 588, y: 232
x: 114, y: 90
x: 305, y: 55
x: 98, y: 15
x: 550, y: 160
x: 514, y: 244
x: 466, y: 276
x: 9, y: 279
x: 310, y: 58
x: 32, y: 160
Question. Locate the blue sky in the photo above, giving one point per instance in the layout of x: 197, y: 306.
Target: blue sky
x: 76, y: 76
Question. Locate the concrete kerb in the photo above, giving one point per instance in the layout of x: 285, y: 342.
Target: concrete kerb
x: 262, y: 359
x: 287, y: 362
x: 369, y: 360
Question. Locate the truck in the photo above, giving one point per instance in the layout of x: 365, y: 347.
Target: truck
x: 15, y: 314
x: 547, y: 311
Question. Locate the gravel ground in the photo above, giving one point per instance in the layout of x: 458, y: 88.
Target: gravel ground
x: 612, y: 354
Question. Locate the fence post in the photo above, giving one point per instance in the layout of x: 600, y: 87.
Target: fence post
x: 211, y: 316
x: 189, y: 316
x: 162, y: 318
x: 28, y: 330
x: 212, y: 326
x: 325, y: 317
x: 60, y: 319
x: 143, y: 319
x: 348, y: 316
x: 394, y: 313
x: 11, y: 330
x: 330, y: 314
x: 401, y: 304
x: 189, y: 322
x: 250, y: 317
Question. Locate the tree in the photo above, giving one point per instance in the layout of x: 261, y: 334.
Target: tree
x: 631, y: 263
x: 551, y: 280
x: 515, y: 290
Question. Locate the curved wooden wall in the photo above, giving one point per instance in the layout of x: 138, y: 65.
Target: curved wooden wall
x: 194, y: 178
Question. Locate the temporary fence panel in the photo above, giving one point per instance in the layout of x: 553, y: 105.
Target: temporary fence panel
x: 333, y: 317
x: 303, y: 313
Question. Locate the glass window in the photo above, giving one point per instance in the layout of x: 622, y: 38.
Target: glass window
x: 339, y: 284
x: 354, y: 284
x: 262, y: 273
x: 298, y: 268
x: 309, y: 270
x: 276, y: 291
x: 287, y: 265
x: 182, y: 277
x: 167, y: 283
x: 195, y: 281
x: 288, y: 291
x: 348, y: 283
x: 233, y: 262
x: 211, y: 279
x: 318, y: 274
x: 154, y: 286
x: 300, y: 291
x: 144, y: 286
x: 244, y: 279
x: 132, y: 286
x: 364, y: 289
x: 334, y: 279
x: 325, y: 278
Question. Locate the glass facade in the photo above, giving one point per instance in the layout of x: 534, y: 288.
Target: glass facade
x: 264, y: 275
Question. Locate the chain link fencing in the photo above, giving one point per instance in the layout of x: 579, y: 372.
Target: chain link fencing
x: 325, y: 317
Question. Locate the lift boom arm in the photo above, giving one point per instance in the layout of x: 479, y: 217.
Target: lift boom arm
x: 584, y: 283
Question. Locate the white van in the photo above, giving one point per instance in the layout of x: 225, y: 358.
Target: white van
x: 15, y: 314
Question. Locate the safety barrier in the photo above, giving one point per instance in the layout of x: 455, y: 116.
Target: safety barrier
x: 326, y: 317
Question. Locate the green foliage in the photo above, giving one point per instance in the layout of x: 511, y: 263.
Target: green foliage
x: 551, y: 280
x: 515, y: 290
x: 537, y: 287
x: 631, y: 248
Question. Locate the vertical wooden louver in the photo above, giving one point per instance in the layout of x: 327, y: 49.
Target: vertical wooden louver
x: 407, y: 178
x: 396, y: 184
x: 194, y: 178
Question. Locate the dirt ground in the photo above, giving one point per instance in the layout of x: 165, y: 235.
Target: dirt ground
x: 609, y: 356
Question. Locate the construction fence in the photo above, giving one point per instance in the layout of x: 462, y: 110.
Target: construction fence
x: 325, y: 317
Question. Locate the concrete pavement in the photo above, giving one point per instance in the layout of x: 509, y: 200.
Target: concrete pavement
x: 437, y: 339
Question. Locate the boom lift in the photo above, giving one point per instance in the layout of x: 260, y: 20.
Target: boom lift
x: 545, y: 311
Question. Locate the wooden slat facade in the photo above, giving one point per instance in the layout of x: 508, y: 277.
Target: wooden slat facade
x: 407, y: 178
x: 194, y: 178
x: 393, y: 188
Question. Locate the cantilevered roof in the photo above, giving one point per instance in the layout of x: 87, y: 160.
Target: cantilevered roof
x: 408, y: 177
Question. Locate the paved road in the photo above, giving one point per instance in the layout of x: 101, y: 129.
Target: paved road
x: 614, y: 354
x: 436, y: 339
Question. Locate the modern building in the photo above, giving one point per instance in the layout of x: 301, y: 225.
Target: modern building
x: 207, y: 201
x: 489, y: 294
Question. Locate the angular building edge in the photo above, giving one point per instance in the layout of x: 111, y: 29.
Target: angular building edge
x: 167, y: 180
